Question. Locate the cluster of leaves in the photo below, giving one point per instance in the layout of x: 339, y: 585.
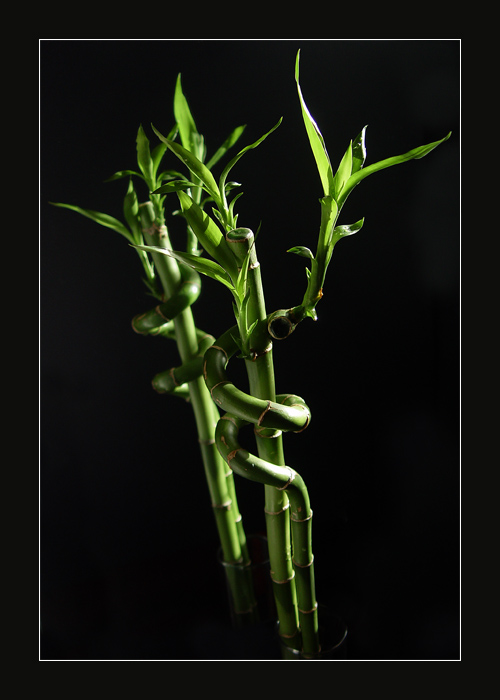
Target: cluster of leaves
x: 200, y: 189
x: 336, y: 189
x: 201, y: 229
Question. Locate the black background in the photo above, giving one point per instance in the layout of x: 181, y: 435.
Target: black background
x: 128, y: 565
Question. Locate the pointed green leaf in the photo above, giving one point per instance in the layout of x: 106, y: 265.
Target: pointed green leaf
x: 184, y: 118
x: 237, y: 340
x: 234, y: 217
x: 358, y: 151
x: 415, y: 153
x: 242, y: 275
x: 236, y: 158
x: 329, y: 212
x: 208, y: 234
x: 123, y: 173
x: 156, y: 156
x: 201, y: 265
x: 194, y: 164
x: 343, y: 173
x: 342, y: 231
x: 301, y: 250
x: 131, y: 212
x: 170, y: 175
x: 174, y: 186
x: 315, y: 139
x: 100, y: 218
x: 348, y: 229
x: 228, y: 143
x: 144, y: 160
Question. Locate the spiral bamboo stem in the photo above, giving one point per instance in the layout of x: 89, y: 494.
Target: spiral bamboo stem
x: 289, y: 413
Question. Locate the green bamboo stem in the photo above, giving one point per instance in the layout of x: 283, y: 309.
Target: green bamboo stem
x: 186, y: 294
x: 297, y: 595
x: 260, y: 371
x: 232, y: 542
x: 281, y: 478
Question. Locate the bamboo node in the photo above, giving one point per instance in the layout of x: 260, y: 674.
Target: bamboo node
x: 288, y: 636
x: 262, y: 415
x: 285, y: 580
x: 210, y: 441
x: 303, y: 566
x: 308, y: 418
x: 254, y: 354
x: 218, y: 347
x: 172, y: 376
x: 231, y: 456
x: 158, y: 389
x: 308, y: 612
x: 218, y: 384
x: 303, y: 520
x: 136, y: 330
x: 277, y: 512
x: 292, y: 477
x: 160, y: 313
x: 223, y: 506
x: 261, y: 432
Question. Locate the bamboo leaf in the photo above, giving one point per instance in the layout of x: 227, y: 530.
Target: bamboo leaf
x: 194, y: 165
x: 236, y: 158
x: 156, y: 156
x: 415, y: 153
x: 191, y: 139
x: 343, y: 173
x: 228, y: 143
x: 329, y: 212
x: 131, y: 212
x: 342, y: 231
x: 315, y: 139
x: 201, y: 265
x: 348, y: 229
x: 184, y: 118
x: 359, y: 151
x: 242, y: 276
x: 144, y: 160
x: 170, y: 175
x: 123, y: 173
x: 99, y: 218
x: 301, y: 250
x: 208, y: 234
x: 234, y: 217
x: 174, y: 186
x: 232, y: 185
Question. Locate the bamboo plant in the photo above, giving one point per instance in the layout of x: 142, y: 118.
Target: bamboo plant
x: 217, y: 247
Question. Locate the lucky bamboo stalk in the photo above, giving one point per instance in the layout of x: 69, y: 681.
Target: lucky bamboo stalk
x: 260, y: 371
x: 177, y: 289
x: 286, y: 412
x: 232, y: 260
x: 155, y: 233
